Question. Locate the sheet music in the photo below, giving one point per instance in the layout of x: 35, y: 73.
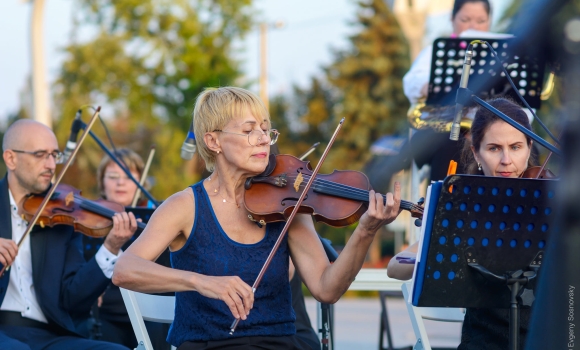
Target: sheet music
x: 478, y: 34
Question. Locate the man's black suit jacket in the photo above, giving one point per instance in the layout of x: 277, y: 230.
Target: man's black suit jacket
x: 66, y: 286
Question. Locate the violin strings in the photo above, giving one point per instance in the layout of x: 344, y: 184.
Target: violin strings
x: 94, y: 207
x: 360, y: 194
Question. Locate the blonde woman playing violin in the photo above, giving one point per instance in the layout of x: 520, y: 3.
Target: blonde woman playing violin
x: 217, y: 252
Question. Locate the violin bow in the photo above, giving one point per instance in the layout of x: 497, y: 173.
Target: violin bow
x: 52, y: 189
x: 144, y: 175
x: 310, y: 150
x: 547, y: 158
x: 290, y: 218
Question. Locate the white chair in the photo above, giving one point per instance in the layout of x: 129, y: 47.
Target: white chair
x: 146, y: 307
x: 417, y: 314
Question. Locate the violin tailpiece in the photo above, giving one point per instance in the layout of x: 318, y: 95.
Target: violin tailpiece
x: 278, y: 181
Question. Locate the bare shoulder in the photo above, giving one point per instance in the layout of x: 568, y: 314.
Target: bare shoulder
x: 169, y: 226
x: 174, y: 213
x: 180, y: 202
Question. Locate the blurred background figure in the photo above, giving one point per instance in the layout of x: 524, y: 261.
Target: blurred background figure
x: 111, y: 320
x: 473, y: 15
x: 427, y: 146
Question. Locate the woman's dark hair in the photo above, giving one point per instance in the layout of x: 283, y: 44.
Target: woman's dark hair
x: 459, y: 4
x: 481, y: 123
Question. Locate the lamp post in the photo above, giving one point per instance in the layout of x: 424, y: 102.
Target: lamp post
x: 41, y: 111
x: 264, y: 59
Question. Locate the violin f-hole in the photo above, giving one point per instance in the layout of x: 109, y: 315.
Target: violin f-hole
x: 56, y: 210
x: 282, y: 202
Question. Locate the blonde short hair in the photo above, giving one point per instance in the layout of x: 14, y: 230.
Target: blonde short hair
x: 215, y: 107
x: 133, y: 161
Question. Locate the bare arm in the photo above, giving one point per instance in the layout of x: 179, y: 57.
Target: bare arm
x: 403, y: 271
x: 170, y: 226
x: 136, y: 269
x: 328, y: 282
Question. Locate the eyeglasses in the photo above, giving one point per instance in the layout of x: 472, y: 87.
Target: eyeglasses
x: 58, y: 155
x: 255, y: 136
x: 116, y: 176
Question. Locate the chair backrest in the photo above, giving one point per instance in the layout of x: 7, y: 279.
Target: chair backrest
x: 154, y: 308
x: 417, y: 314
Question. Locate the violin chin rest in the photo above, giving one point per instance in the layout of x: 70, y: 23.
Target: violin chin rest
x: 270, y: 167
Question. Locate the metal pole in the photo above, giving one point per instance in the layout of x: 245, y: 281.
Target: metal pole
x: 264, y: 64
x: 41, y: 111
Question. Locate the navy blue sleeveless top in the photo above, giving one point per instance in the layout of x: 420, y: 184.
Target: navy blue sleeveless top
x: 209, y: 251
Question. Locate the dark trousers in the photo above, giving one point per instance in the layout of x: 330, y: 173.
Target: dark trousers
x: 28, y: 338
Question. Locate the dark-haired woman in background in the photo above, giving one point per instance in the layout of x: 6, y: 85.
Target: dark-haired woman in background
x: 494, y: 149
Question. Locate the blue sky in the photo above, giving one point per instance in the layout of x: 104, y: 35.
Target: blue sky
x: 296, y: 51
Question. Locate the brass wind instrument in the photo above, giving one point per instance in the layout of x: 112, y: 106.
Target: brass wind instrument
x: 440, y: 118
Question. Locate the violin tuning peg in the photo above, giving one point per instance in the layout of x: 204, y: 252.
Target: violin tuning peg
x: 421, y: 201
x: 418, y: 222
x: 41, y: 224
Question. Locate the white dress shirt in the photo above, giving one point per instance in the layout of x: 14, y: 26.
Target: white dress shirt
x: 20, y: 294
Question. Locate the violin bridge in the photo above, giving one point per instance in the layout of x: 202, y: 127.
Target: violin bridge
x: 298, y: 182
x: 70, y: 197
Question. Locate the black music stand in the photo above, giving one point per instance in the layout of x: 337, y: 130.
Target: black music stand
x: 486, y: 76
x: 483, y: 244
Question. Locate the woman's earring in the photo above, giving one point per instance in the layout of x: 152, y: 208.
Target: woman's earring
x: 479, y: 166
x: 218, y: 152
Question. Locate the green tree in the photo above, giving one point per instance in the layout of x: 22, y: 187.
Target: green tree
x: 368, y: 76
x: 146, y: 63
x: 304, y: 118
x: 364, y: 85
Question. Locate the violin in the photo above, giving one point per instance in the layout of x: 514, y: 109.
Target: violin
x: 538, y: 172
x: 67, y: 207
x: 337, y: 199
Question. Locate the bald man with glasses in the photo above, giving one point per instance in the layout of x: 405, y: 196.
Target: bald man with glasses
x: 49, y: 284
